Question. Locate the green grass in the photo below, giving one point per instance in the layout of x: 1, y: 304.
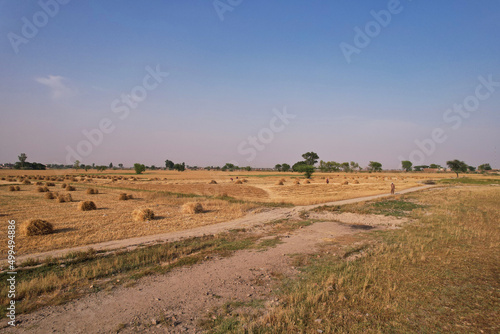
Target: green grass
x: 401, y: 206
x: 466, y: 180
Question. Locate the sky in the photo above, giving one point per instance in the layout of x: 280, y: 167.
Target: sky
x: 255, y: 83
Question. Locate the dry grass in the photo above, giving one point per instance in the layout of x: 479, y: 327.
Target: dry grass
x: 36, y: 227
x: 192, y: 208
x: 87, y: 206
x: 143, y: 214
x: 437, y: 275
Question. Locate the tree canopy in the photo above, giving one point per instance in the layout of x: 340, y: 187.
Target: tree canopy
x: 457, y: 166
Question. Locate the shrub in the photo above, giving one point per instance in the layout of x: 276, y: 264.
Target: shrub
x: 87, y: 206
x: 70, y: 188
x: 213, y: 182
x: 50, y: 195
x: 36, y: 227
x: 123, y: 197
x: 143, y: 214
x: 192, y: 207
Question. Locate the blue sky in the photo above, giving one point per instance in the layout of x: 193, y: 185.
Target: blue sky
x: 228, y: 78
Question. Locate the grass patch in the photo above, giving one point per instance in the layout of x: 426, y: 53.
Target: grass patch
x: 437, y: 275
x: 466, y: 180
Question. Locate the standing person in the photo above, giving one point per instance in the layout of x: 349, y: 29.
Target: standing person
x: 327, y: 181
x: 393, y: 188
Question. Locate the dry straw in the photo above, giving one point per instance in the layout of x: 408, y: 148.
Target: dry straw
x: 192, y: 208
x: 143, y: 214
x: 36, y: 227
x: 87, y: 206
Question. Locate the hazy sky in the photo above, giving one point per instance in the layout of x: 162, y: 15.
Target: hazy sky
x: 256, y: 82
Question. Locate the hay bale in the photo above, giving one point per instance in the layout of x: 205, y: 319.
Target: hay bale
x: 49, y: 195
x: 92, y: 191
x: 279, y: 183
x: 12, y: 188
x: 38, y: 183
x: 26, y: 181
x: 130, y: 196
x: 238, y: 182
x: 87, y: 206
x: 64, y: 198
x: 70, y: 188
x: 192, y: 208
x: 297, y: 182
x: 36, y: 227
x: 213, y: 182
x: 245, y: 180
x: 123, y: 197
x: 50, y: 184
x: 64, y: 185
x: 143, y: 214
x: 42, y: 189
x: 345, y: 183
x: 355, y: 182
x: 307, y: 181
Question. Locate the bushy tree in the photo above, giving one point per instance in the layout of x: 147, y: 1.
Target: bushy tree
x: 139, y: 168
x: 278, y: 167
x: 310, y: 158
x: 457, y: 166
x: 406, y: 164
x: 22, y: 158
x: 285, y: 167
x: 354, y: 165
x: 375, y: 166
x: 180, y: 167
x: 484, y: 167
x: 329, y: 166
x: 169, y: 164
x: 76, y: 165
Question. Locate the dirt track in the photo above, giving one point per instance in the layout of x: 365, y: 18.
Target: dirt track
x: 244, y: 222
x: 175, y: 302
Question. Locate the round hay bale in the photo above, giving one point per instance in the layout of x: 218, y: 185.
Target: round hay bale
x: 307, y: 181
x: 345, y: 183
x: 42, y: 189
x: 64, y: 185
x: 49, y: 195
x: 92, y: 191
x: 279, y: 183
x: 245, y: 180
x: 123, y: 197
x: 87, y: 206
x: 36, y: 227
x: 213, y: 182
x: 50, y: 184
x: 17, y: 188
x: 192, y: 208
x: 355, y: 182
x: 143, y: 214
x: 130, y: 196
x: 297, y: 182
x: 26, y: 181
x: 38, y: 183
x: 238, y: 182
x: 64, y: 198
x: 70, y: 188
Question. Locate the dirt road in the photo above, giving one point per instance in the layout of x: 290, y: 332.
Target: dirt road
x: 244, y: 222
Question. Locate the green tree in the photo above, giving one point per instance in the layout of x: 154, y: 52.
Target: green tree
x: 434, y: 166
x: 285, y: 167
x: 76, y: 165
x: 484, y: 167
x: 354, y: 165
x: 93, y: 165
x: 406, y: 164
x: 110, y: 165
x: 375, y: 166
x: 471, y: 168
x: 457, y: 166
x: 139, y: 168
x: 308, y: 170
x: 180, y: 167
x: 345, y: 167
x: 248, y: 168
x: 169, y: 164
x: 310, y: 158
x: 22, y: 158
x: 278, y: 167
x: 120, y: 165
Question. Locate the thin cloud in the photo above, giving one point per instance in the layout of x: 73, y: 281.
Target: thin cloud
x: 58, y: 86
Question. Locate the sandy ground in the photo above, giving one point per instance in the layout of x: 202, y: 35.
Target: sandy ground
x: 175, y: 302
